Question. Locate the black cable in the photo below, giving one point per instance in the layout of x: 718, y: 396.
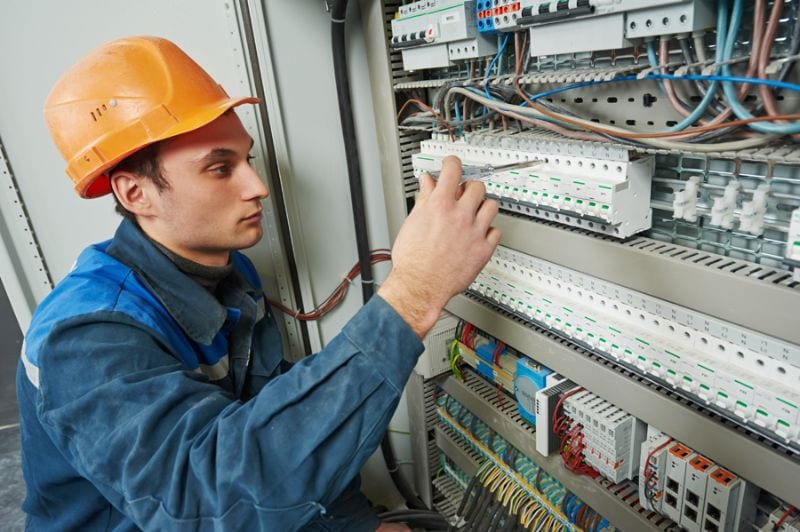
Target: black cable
x: 338, y: 15
x: 511, y: 522
x: 497, y: 518
x: 462, y: 507
x: 488, y: 509
x: 478, y: 504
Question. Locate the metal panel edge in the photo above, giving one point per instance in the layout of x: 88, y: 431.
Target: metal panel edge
x: 384, y: 110
x: 766, y: 308
x: 283, y: 167
x: 767, y: 468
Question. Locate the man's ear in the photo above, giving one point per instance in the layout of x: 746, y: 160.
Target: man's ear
x: 134, y: 192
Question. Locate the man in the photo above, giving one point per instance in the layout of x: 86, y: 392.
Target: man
x: 152, y: 388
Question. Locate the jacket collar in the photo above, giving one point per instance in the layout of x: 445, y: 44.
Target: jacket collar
x: 195, y: 310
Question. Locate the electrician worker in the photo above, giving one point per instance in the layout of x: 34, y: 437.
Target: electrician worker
x: 152, y: 388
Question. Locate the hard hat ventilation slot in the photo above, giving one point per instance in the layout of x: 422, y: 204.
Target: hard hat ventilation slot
x: 97, y: 113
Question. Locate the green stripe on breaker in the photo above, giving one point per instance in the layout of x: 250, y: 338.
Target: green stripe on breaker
x: 705, y: 368
x: 782, y: 422
x: 645, y: 342
x: 590, y: 319
x: 723, y: 394
x: 670, y: 353
x: 787, y: 403
x: 425, y: 158
x: 743, y: 384
x: 615, y: 330
x: 761, y: 412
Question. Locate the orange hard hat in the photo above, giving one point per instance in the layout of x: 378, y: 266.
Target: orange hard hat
x: 123, y: 96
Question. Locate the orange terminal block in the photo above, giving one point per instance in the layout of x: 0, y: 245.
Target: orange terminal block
x: 680, y: 451
x: 723, y: 476
x: 701, y: 463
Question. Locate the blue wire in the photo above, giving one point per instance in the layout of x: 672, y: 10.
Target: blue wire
x: 694, y: 116
x: 491, y: 65
x: 727, y: 87
x: 458, y: 118
x: 732, y: 79
x: 653, y: 58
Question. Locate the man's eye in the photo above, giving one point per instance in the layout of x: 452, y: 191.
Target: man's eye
x: 250, y: 158
x: 221, y: 170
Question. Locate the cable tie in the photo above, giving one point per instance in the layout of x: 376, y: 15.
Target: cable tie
x: 337, y: 20
x: 368, y: 282
x: 711, y: 69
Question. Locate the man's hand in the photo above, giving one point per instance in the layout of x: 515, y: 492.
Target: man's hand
x: 442, y: 246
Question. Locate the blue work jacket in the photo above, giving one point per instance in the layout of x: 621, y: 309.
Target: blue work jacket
x: 147, y: 403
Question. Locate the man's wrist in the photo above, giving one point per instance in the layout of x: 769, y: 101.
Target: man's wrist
x: 412, y: 302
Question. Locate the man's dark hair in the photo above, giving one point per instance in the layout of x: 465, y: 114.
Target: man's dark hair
x: 145, y: 163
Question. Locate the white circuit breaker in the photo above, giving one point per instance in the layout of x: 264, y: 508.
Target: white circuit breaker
x: 608, y: 195
x: 749, y: 379
x: 434, y: 33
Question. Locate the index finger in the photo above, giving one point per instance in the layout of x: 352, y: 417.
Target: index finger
x: 450, y: 176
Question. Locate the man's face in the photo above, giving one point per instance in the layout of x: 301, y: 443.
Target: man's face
x: 213, y: 203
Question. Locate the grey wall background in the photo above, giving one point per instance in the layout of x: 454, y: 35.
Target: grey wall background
x: 10, y: 343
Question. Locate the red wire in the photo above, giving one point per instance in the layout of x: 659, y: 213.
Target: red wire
x: 784, y: 517
x: 647, y: 463
x: 561, y: 401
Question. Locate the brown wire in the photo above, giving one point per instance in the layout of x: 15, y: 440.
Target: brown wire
x: 336, y: 297
x: 425, y: 107
x: 665, y: 134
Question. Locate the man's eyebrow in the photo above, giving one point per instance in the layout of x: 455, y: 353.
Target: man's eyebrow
x: 215, y: 155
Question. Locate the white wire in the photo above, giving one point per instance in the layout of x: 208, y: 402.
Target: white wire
x: 657, y: 143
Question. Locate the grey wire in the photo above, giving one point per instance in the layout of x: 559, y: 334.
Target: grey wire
x: 702, y: 86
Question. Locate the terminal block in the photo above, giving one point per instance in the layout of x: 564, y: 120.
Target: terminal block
x: 730, y: 502
x: 435, y: 33
x: 610, y: 437
x: 694, y: 494
x: 652, y: 472
x: 610, y: 196
x: 678, y: 457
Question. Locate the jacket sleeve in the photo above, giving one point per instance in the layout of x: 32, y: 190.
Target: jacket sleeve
x: 173, y: 451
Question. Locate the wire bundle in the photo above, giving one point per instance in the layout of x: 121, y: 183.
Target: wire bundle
x: 710, y: 117
x: 536, y: 484
x: 572, y: 445
x: 336, y: 297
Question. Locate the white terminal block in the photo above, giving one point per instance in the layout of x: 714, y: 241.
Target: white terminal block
x: 678, y: 457
x: 684, y: 204
x: 694, y: 493
x: 730, y: 502
x: 604, y: 195
x: 722, y: 212
x: 651, y: 488
x: 740, y: 372
x: 753, y: 212
x: 612, y: 438
x: 435, y: 359
x: 434, y: 33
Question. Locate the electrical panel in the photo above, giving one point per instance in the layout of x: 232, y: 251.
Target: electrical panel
x: 648, y: 251
x: 435, y: 33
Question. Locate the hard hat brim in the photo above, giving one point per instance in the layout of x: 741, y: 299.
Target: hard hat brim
x: 98, y: 184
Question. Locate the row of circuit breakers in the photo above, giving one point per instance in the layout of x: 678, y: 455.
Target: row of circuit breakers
x: 435, y: 33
